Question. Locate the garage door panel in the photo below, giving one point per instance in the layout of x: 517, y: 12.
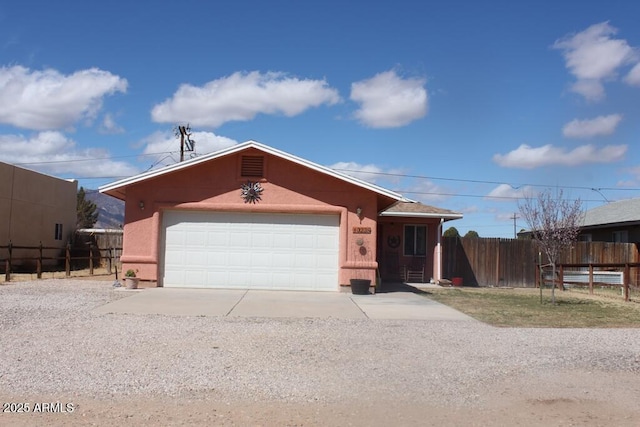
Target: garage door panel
x: 281, y: 261
x: 241, y: 239
x: 282, y: 240
x: 325, y: 261
x: 217, y: 237
x: 261, y: 240
x: 250, y: 250
x: 193, y: 276
x: 304, y: 241
x: 196, y: 258
x: 325, y: 242
x: 303, y: 261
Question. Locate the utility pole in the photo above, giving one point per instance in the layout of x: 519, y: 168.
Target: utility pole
x: 186, y: 143
x: 514, y: 217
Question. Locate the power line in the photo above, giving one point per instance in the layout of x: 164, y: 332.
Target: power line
x: 92, y: 159
x: 478, y: 196
x: 477, y: 181
x: 398, y: 175
x: 430, y: 193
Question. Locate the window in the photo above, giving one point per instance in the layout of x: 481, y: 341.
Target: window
x: 584, y: 238
x: 58, y: 235
x: 415, y: 240
x: 621, y: 236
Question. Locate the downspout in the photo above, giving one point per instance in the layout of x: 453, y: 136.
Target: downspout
x: 438, y: 266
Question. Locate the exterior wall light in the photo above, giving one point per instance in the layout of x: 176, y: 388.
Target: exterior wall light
x: 359, y: 212
x: 141, y: 204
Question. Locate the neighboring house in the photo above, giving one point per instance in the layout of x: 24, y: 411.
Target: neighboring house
x: 35, y: 208
x: 614, y: 222
x: 252, y: 216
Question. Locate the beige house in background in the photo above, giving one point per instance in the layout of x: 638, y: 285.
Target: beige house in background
x: 35, y: 208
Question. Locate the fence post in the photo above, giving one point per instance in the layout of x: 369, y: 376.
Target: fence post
x: 541, y: 274
x: 67, y: 261
x: 7, y: 266
x: 90, y: 259
x: 109, y: 260
x: 561, y: 278
x: 590, y: 279
x: 626, y: 281
x: 39, y: 263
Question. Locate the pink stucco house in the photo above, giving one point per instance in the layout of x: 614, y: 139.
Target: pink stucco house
x: 251, y: 216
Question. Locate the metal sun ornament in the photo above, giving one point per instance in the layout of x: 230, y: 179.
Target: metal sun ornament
x: 251, y: 192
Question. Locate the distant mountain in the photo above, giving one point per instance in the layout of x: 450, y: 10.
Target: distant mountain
x: 111, y: 209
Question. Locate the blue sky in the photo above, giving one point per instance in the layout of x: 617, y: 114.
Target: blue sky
x: 464, y: 105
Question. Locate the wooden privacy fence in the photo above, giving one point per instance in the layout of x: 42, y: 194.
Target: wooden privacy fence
x: 31, y: 259
x: 513, y: 262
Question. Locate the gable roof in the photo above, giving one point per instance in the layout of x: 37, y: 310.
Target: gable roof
x: 117, y: 189
x: 622, y: 211
x: 418, y: 210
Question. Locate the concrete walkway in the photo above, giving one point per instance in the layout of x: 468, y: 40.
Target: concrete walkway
x: 281, y: 304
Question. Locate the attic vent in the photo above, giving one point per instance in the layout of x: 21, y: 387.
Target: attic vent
x: 252, y: 166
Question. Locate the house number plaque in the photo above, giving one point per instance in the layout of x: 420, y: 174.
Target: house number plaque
x: 361, y: 230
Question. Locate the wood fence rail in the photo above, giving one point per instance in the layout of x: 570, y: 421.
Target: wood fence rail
x: 560, y: 281
x: 8, y: 262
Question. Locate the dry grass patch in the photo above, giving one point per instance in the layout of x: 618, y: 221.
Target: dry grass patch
x: 99, y: 273
x: 522, y: 308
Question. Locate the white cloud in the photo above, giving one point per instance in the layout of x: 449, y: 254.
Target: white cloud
x: 591, y: 90
x: 387, y: 101
x: 601, y: 125
x: 423, y: 190
x: 109, y: 125
x: 53, y: 153
x: 633, y: 78
x: 47, y: 100
x: 505, y: 192
x: 426, y: 191
x: 242, y: 96
x: 164, y: 147
x: 469, y: 209
x: 370, y: 173
x: 526, y: 157
x: 593, y: 56
x: 632, y: 182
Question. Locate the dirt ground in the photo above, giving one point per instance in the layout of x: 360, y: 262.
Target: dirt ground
x: 550, y: 399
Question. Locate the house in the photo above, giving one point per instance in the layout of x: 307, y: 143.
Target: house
x: 252, y: 216
x: 36, y: 209
x: 613, y: 222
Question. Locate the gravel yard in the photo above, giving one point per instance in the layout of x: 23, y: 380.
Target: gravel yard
x: 118, y: 369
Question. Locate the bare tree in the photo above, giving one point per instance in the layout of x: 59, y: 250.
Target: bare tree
x: 554, y: 223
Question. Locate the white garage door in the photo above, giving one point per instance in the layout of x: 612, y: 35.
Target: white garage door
x: 250, y: 250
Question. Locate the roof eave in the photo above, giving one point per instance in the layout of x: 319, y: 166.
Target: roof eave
x: 610, y: 225
x: 445, y: 216
x: 116, y: 189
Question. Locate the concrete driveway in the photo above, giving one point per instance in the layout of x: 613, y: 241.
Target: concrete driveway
x: 281, y: 304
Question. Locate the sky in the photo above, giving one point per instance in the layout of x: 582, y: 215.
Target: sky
x: 464, y: 105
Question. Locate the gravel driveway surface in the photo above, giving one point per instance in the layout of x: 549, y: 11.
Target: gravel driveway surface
x: 122, y: 367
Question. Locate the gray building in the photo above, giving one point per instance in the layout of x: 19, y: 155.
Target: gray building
x: 614, y: 222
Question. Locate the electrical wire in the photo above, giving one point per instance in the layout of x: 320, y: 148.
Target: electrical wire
x: 168, y: 154
x: 477, y: 181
